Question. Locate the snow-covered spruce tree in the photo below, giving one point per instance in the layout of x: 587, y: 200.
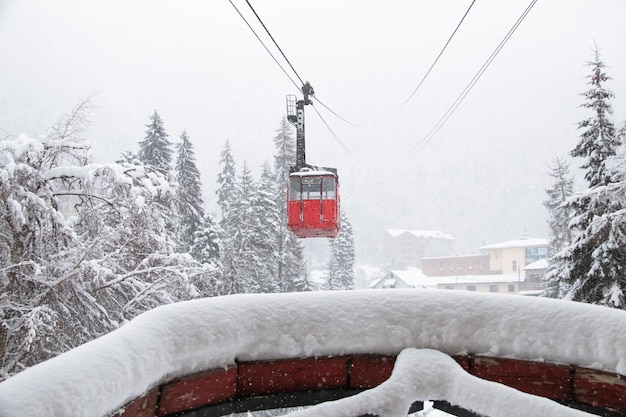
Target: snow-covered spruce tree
x: 340, y: 275
x: 238, y: 227
x: 206, y: 249
x: 189, y: 204
x: 558, y: 214
x: 155, y: 152
x: 207, y: 246
x: 156, y: 149
x: 226, y: 181
x: 291, y: 269
x: 250, y: 249
x: 599, y: 139
x: 266, y: 223
x: 227, y: 191
x: 592, y: 268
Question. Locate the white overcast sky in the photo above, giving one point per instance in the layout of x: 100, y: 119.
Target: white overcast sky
x: 198, y: 64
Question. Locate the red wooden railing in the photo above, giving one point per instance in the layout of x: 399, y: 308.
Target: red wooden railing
x: 225, y: 388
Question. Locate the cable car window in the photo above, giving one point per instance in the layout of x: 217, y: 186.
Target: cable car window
x: 328, y: 188
x: 294, y: 188
x: 311, y: 188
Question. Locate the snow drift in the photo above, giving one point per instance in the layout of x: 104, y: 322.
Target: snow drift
x: 425, y: 374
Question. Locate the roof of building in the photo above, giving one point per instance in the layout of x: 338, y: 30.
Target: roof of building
x: 412, y: 277
x: 416, y: 279
x: 522, y: 242
x: 419, y: 233
x: 537, y: 265
x: 474, y: 255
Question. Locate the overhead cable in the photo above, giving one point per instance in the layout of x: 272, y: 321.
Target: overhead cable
x: 439, y: 56
x: 343, y: 146
x: 275, y: 43
x: 331, y: 110
x: 420, y: 145
x: 292, y: 68
x: 264, y: 46
x: 288, y: 61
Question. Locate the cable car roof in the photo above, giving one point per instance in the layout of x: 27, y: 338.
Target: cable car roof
x: 313, y: 174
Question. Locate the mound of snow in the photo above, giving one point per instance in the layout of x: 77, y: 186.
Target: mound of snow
x: 424, y: 374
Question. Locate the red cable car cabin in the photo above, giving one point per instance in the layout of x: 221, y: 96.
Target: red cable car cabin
x: 313, y: 204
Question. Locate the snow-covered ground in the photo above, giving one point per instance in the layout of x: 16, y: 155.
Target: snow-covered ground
x: 178, y: 339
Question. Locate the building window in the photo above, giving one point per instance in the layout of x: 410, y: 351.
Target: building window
x: 514, y: 266
x: 493, y: 288
x: 449, y: 287
x: 511, y: 287
x: 535, y: 254
x: 471, y: 288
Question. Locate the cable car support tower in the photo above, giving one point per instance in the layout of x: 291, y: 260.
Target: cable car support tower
x: 295, y: 115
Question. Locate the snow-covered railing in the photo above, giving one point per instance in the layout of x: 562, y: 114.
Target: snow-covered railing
x: 169, y: 347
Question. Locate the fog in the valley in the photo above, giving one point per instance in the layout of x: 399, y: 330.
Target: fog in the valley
x: 481, y: 178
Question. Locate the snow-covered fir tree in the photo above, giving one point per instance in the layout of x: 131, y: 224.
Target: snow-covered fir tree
x: 207, y: 249
x: 238, y: 226
x: 207, y: 246
x: 559, y: 214
x: 599, y: 140
x: 226, y: 181
x: 266, y: 222
x: 592, y: 268
x: 340, y: 274
x: 156, y: 149
x: 291, y: 271
x: 156, y: 154
x: 189, y: 204
x: 227, y: 190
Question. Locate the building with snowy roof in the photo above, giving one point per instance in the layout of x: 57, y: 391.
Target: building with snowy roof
x: 513, y: 255
x: 410, y: 278
x: 506, y: 267
x: 509, y: 257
